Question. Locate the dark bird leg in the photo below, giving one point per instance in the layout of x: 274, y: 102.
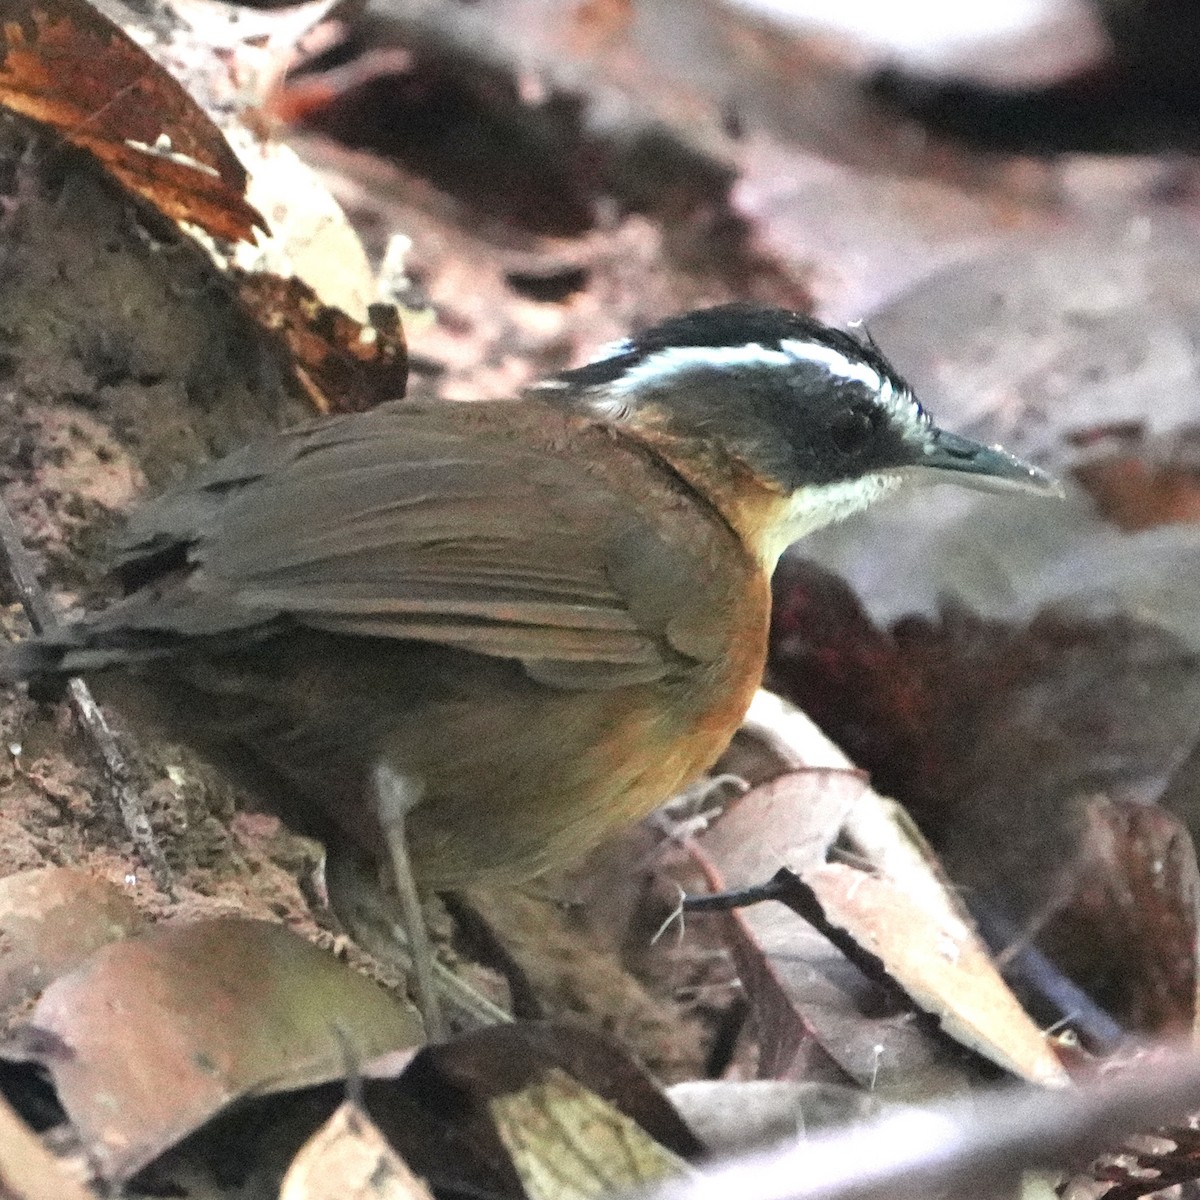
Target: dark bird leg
x: 371, y: 916
x: 395, y: 796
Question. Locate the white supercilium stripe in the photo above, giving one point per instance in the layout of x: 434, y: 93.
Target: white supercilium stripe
x: 673, y: 360
x: 663, y: 366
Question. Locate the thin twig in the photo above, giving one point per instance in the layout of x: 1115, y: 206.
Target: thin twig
x: 44, y: 620
x: 775, y: 888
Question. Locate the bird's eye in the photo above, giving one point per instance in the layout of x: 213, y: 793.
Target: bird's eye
x: 851, y: 430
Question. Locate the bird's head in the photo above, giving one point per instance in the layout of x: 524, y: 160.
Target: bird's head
x: 784, y: 423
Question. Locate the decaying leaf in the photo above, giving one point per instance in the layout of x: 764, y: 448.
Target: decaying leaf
x: 343, y: 365
x: 438, y: 1112
x: 895, y: 907
x: 821, y: 1018
x: 70, y: 68
x: 349, y: 1159
x: 1142, y: 872
x: 999, y: 738
x: 902, y: 910
x: 310, y: 241
x: 567, y: 1143
x: 737, y: 1116
x: 154, y: 1035
x: 51, y: 920
x: 493, y: 1062
x: 433, y: 1108
x: 305, y: 278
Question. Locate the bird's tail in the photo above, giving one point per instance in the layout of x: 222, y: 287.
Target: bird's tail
x: 37, y: 661
x: 30, y: 659
x: 132, y: 633
x: 47, y: 662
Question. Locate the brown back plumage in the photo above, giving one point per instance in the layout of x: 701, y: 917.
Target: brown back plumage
x: 445, y: 585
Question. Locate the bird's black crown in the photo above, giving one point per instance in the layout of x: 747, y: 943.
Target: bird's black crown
x: 798, y: 402
x: 727, y: 326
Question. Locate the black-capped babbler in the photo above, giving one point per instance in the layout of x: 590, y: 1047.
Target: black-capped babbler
x: 484, y: 635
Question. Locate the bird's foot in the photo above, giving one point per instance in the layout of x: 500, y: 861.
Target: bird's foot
x: 371, y: 915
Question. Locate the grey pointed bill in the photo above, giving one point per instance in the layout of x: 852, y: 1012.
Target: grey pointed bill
x: 986, y: 468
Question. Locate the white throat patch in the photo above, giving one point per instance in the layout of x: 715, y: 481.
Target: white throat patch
x: 810, y: 508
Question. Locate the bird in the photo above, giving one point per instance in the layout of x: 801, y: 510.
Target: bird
x: 473, y: 638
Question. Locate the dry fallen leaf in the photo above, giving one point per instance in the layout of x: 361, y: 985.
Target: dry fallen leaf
x: 1141, y: 874
x: 504, y: 1059
x: 70, y: 68
x: 901, y: 910
x: 437, y: 1113
x: 737, y: 1116
x: 311, y: 240
x: 895, y: 907
x: 349, y: 1159
x: 154, y: 1035
x: 567, y: 1143
x: 51, y: 920
x: 998, y: 737
x: 305, y: 278
x: 433, y: 1108
x: 344, y: 366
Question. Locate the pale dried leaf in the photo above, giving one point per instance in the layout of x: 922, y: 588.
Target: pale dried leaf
x: 28, y: 1171
x: 349, y: 1159
x: 311, y: 238
x: 905, y: 912
x: 899, y: 910
x: 820, y: 1018
x: 567, y: 1143
x: 734, y: 1116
